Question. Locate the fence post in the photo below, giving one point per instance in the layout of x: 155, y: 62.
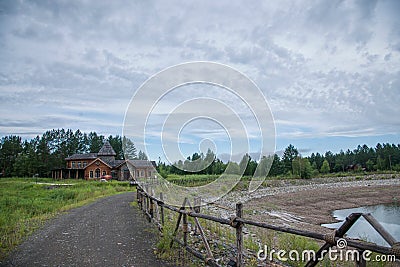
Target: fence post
x: 146, y: 199
x: 151, y: 211
x: 239, y: 235
x: 330, y: 239
x: 155, y: 208
x: 361, y: 261
x: 162, y: 209
x: 146, y: 210
x: 184, y: 224
x: 196, y: 208
x: 138, y: 194
x: 197, y: 204
x: 141, y: 199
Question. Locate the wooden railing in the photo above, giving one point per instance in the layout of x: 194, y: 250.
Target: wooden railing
x: 154, y: 207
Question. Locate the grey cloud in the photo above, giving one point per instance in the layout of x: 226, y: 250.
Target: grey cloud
x: 319, y: 63
x: 127, y: 74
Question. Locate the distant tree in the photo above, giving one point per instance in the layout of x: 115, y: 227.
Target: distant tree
x: 380, y: 164
x: 277, y: 167
x: 194, y: 164
x: 339, y: 162
x: 209, y: 161
x: 330, y: 158
x: 162, y: 169
x: 316, y: 160
x: 362, y: 154
x: 232, y: 168
x: 129, y: 148
x: 178, y: 168
x: 289, y: 154
x: 251, y: 167
x: 95, y: 142
x: 218, y: 167
x: 142, y: 155
x: 195, y: 156
x: 10, y: 147
x: 116, y: 143
x: 263, y: 166
x: 244, y: 163
x: 325, y: 167
x: 370, y: 165
x: 302, y: 167
x: 26, y: 162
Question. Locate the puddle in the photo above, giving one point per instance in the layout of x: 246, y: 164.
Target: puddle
x: 387, y: 215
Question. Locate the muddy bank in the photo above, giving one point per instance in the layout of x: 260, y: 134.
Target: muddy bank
x: 310, y: 208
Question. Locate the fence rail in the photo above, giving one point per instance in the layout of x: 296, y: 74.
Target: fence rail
x: 154, y: 207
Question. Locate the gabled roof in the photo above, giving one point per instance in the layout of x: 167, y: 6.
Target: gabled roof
x: 140, y: 163
x: 118, y: 162
x: 109, y: 160
x: 82, y: 156
x: 98, y: 159
x: 106, y: 150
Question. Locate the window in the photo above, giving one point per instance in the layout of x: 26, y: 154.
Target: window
x: 142, y: 173
x: 104, y: 173
x: 149, y: 172
x: 84, y: 164
x: 79, y: 164
x: 97, y: 173
x: 73, y: 164
x: 91, y: 174
x: 137, y: 173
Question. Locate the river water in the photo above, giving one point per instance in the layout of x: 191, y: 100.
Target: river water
x: 387, y: 215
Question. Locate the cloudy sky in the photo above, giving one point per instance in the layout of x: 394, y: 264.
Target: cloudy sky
x: 330, y: 70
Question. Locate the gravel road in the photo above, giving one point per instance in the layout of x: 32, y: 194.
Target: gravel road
x: 108, y: 232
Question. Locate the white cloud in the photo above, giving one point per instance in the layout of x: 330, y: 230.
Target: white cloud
x: 327, y: 68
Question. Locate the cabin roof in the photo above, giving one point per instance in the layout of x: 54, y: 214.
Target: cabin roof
x: 82, y: 156
x: 106, y: 150
x: 141, y: 163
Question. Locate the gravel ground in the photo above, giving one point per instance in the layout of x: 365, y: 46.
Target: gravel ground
x: 108, y: 232
x: 309, y: 208
x: 305, y: 204
x: 309, y: 203
x: 285, y: 187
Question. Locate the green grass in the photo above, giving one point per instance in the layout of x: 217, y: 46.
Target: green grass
x: 25, y: 205
x: 191, y: 180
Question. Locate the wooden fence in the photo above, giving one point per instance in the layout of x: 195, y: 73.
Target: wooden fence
x: 154, y: 207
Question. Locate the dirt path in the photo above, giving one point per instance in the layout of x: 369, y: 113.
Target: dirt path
x: 108, y: 232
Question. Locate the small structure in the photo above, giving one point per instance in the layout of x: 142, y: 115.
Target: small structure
x: 104, y: 165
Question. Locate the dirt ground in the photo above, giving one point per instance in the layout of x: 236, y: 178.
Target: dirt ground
x: 310, y: 208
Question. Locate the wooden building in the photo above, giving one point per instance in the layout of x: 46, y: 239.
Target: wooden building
x: 104, y: 165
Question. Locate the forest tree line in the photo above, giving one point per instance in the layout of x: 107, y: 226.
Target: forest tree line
x: 38, y: 156
x: 382, y: 157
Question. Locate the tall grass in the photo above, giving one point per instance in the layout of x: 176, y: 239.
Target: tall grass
x: 192, y: 180
x: 25, y: 205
